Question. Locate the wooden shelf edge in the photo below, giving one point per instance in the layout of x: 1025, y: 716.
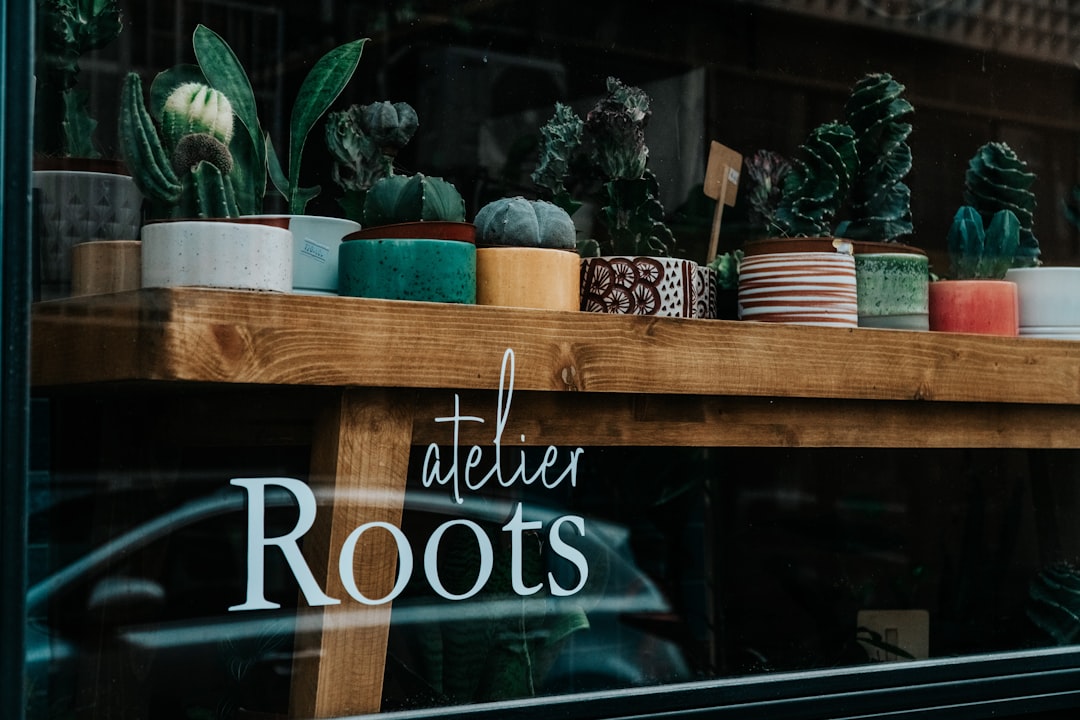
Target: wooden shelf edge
x: 202, y: 335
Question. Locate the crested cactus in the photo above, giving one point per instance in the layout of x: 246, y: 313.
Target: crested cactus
x: 816, y: 187
x: 184, y: 169
x: 1054, y: 602
x: 997, y: 179
x: 364, y: 140
x: 67, y: 30
x: 401, y: 198
x: 880, y: 202
x: 983, y: 253
x: 607, y: 151
x: 515, y: 221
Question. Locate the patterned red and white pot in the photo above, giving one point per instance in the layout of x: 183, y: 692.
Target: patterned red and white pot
x: 638, y: 285
x: 801, y: 288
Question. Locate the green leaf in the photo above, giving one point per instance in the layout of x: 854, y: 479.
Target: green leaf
x: 273, y: 164
x: 319, y: 90
x: 224, y: 73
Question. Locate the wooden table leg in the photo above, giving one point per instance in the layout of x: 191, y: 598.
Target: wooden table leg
x: 361, y: 443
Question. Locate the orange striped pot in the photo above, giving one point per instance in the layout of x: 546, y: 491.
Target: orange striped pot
x: 801, y: 288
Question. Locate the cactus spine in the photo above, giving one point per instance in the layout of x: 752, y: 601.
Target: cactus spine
x: 816, y: 186
x: 997, y: 179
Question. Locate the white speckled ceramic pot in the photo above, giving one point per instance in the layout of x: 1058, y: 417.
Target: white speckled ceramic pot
x: 217, y: 253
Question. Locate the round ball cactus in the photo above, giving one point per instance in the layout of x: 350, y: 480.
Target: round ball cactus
x: 515, y: 221
x: 401, y: 198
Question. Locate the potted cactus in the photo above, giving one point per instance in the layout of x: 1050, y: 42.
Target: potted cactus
x: 196, y: 168
x: 82, y: 197
x: 603, y: 160
x: 892, y: 278
x: 189, y: 173
x: 415, y: 244
x: 976, y: 298
x: 803, y: 274
x: 526, y: 255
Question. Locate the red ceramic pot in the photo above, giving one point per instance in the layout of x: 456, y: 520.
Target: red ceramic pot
x: 987, y: 307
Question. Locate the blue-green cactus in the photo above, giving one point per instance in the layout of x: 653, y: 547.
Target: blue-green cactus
x: 515, y: 221
x: 976, y: 252
x: 411, y: 198
x: 818, y: 183
x: 997, y: 179
x: 880, y: 202
x: 561, y: 142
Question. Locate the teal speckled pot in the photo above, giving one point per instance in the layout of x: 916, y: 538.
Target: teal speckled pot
x: 893, y: 289
x: 408, y: 269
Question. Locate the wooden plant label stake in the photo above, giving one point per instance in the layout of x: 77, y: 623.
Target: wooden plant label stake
x: 722, y: 185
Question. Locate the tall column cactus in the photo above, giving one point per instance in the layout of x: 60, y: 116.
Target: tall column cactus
x: 997, y: 179
x: 880, y: 202
x: 818, y: 183
x: 184, y: 169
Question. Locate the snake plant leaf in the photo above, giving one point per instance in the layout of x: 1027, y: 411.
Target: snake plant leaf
x: 320, y: 88
x: 224, y: 72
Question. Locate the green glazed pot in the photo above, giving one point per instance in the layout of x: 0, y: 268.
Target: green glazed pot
x: 893, y: 289
x: 419, y: 269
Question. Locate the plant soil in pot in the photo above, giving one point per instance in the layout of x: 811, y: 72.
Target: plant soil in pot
x: 220, y: 253
x: 526, y: 256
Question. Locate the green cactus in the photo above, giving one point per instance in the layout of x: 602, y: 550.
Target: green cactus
x: 401, y: 198
x: 515, y: 221
x: 880, y: 202
x: 726, y: 266
x: 67, y: 29
x: 816, y: 187
x: 184, y: 171
x: 997, y: 179
x: 978, y: 252
x: 605, y: 158
x: 364, y: 140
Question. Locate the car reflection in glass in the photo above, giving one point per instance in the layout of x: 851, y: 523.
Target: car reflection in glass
x: 139, y: 626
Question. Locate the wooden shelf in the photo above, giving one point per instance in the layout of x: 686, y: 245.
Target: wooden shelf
x: 214, y: 336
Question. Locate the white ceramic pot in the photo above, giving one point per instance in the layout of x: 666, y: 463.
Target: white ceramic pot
x: 1049, y: 301
x: 800, y: 288
x: 78, y: 206
x: 217, y: 253
x: 316, y: 247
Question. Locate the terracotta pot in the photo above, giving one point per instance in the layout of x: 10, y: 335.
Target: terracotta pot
x: 529, y: 277
x: 106, y: 266
x: 986, y: 307
x: 427, y: 229
x: 234, y: 253
x: 801, y: 288
x: 316, y: 244
x: 638, y: 285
